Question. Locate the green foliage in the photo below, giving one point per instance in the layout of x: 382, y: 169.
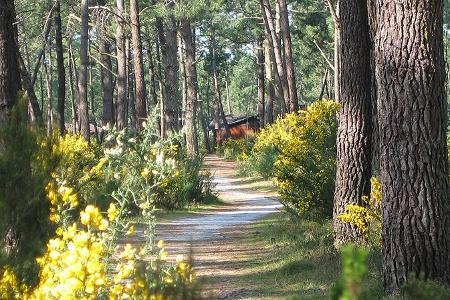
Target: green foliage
x: 354, y: 269
x: 26, y: 162
x: 417, y: 288
x: 260, y: 164
x: 306, y: 164
x: 236, y: 149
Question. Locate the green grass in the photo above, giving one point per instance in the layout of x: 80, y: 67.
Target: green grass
x: 301, y: 262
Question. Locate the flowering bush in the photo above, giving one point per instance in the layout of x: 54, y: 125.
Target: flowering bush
x: 77, y: 260
x: 368, y: 218
x: 304, y: 169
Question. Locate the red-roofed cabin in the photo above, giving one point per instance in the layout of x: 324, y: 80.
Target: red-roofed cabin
x: 239, y: 128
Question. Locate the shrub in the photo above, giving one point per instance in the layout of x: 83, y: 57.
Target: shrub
x: 354, y: 269
x: 368, y: 218
x: 236, y: 149
x: 419, y: 289
x: 305, y: 167
x: 259, y: 163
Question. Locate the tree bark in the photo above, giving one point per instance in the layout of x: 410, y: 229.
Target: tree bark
x: 9, y: 73
x: 83, y: 109
x: 275, y: 44
x: 191, y: 93
x: 261, y: 81
x: 131, y: 104
x: 121, y: 104
x: 355, y: 124
x: 140, y: 93
x: 60, y: 67
x: 48, y: 69
x: 287, y: 43
x: 270, y: 86
x: 412, y: 115
x: 168, y: 43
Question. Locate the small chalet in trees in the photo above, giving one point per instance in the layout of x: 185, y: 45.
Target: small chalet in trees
x: 240, y: 127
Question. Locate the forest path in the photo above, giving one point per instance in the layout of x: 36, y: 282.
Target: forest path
x: 216, y: 237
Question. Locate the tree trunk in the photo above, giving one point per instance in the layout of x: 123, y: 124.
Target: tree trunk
x: 261, y: 81
x: 161, y: 90
x: 412, y: 115
x: 48, y: 69
x: 275, y: 44
x: 287, y: 43
x: 9, y: 72
x: 151, y: 75
x: 219, y: 112
x: 104, y: 47
x: 131, y: 104
x: 182, y: 80
x: 73, y: 81
x: 270, y: 86
x: 191, y: 93
x: 83, y: 110
x: 168, y: 43
x: 140, y: 93
x: 355, y: 124
x: 60, y: 67
x: 121, y: 104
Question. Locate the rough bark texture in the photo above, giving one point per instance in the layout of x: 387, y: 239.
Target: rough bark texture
x: 287, y: 43
x: 168, y: 43
x: 9, y: 73
x: 140, y: 93
x: 151, y: 75
x: 60, y: 67
x: 275, y: 44
x: 412, y: 115
x: 83, y: 111
x: 355, y: 123
x: 190, y: 115
x: 121, y: 104
x: 261, y: 82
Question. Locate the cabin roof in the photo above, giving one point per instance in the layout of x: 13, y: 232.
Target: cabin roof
x: 234, y: 121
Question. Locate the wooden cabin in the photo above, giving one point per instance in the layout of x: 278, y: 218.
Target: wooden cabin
x: 238, y: 128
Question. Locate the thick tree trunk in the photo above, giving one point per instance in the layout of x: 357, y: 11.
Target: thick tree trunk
x: 191, y: 93
x: 287, y: 43
x: 261, y: 81
x: 168, y: 43
x: 412, y: 115
x: 60, y: 67
x: 83, y: 110
x: 121, y: 104
x: 275, y: 44
x: 141, y: 96
x: 355, y: 124
x: 9, y: 72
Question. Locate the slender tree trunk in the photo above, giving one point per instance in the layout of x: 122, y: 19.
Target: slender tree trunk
x: 261, y: 81
x: 270, y: 86
x: 191, y: 93
x: 219, y: 112
x: 48, y: 69
x: 83, y: 109
x: 131, y: 104
x: 151, y: 75
x: 9, y: 72
x: 275, y: 44
x: 121, y: 104
x: 412, y: 115
x: 354, y: 158
x: 60, y: 67
x: 141, y: 96
x: 182, y: 80
x: 162, y: 94
x: 287, y: 43
x: 104, y: 47
x: 73, y: 88
x: 227, y: 90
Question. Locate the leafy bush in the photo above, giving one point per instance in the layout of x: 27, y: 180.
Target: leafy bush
x: 305, y: 167
x: 259, y: 163
x: 354, y: 269
x: 368, y: 219
x: 236, y: 149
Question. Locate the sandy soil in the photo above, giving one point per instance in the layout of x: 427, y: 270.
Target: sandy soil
x: 215, y: 238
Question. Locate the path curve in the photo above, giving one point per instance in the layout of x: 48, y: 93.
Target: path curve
x: 213, y: 237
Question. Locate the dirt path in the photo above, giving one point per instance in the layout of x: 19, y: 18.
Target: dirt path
x: 214, y: 237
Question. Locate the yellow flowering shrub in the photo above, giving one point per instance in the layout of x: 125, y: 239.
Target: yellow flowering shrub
x: 368, y: 218
x: 236, y: 149
x: 76, y: 264
x: 304, y: 169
